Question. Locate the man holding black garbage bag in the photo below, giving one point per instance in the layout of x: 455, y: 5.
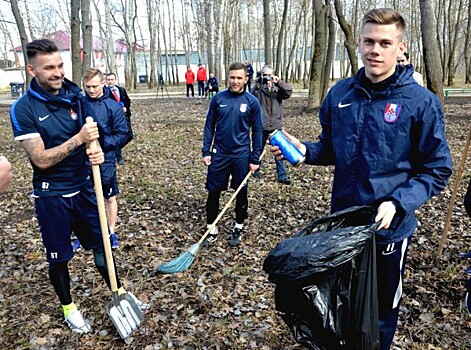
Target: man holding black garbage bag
x: 385, y: 135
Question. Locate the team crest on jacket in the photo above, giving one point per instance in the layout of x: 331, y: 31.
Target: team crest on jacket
x: 391, y: 113
x: 243, y: 107
x: 73, y: 115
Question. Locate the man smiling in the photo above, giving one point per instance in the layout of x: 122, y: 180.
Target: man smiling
x: 232, y: 116
x: 385, y: 135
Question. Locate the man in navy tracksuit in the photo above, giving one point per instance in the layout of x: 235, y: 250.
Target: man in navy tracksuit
x: 49, y: 121
x: 234, y: 117
x: 112, y: 120
x: 385, y: 135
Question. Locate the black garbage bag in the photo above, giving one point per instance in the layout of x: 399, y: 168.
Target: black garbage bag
x: 326, y: 283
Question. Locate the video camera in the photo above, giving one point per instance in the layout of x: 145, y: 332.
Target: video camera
x: 260, y: 79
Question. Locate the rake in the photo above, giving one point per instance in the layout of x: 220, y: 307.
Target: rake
x: 185, y: 260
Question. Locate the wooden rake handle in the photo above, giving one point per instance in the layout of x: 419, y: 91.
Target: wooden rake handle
x: 244, y: 181
x: 453, y: 195
x: 102, y: 214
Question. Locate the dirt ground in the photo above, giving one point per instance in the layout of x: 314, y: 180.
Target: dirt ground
x: 224, y: 301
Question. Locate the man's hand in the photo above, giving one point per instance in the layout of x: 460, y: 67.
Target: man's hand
x: 386, y: 212
x: 275, y: 79
x: 253, y: 167
x: 207, y: 160
x: 276, y: 152
x: 96, y: 156
x: 5, y: 174
x: 88, y: 133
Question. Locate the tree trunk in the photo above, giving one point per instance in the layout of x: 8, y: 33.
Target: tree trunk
x: 75, y: 42
x: 433, y: 68
x: 349, y: 38
x: 281, y: 47
x: 210, y: 30
x: 21, y: 29
x: 454, y: 37
x: 110, y: 49
x: 152, y: 27
x: 87, y: 35
x: 317, y: 60
x: 467, y: 49
x: 267, y: 32
x: 329, y: 57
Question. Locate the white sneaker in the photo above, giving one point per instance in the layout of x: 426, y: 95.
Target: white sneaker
x: 142, y: 306
x: 77, y: 323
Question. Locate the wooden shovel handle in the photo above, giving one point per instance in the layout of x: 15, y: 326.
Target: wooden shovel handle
x: 102, y: 214
x: 453, y: 196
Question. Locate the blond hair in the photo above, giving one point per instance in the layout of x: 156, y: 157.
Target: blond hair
x: 384, y: 16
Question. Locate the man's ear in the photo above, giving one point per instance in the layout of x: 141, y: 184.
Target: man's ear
x: 30, y: 69
x: 402, y: 48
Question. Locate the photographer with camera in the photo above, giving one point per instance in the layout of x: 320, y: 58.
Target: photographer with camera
x: 270, y: 91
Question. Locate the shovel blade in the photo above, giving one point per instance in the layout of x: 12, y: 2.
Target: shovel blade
x: 125, y: 315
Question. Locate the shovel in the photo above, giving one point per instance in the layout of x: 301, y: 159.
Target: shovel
x: 123, y: 310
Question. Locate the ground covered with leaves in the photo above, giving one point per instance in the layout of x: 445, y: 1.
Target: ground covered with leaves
x: 224, y: 301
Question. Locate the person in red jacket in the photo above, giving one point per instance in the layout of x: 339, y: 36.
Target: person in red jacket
x: 190, y: 79
x: 201, y: 76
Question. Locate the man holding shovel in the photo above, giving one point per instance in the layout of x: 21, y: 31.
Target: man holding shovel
x: 232, y: 116
x: 49, y: 120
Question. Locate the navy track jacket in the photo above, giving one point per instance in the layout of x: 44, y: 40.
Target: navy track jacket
x: 385, y: 145
x: 229, y: 120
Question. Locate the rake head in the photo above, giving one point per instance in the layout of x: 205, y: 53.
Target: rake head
x: 180, y: 263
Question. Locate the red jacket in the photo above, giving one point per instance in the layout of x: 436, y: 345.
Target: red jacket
x: 189, y: 77
x: 201, y: 75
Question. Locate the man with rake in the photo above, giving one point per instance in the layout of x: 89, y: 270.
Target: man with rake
x: 49, y: 121
x: 233, y: 115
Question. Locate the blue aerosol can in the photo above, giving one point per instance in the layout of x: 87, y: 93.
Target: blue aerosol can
x: 289, y: 151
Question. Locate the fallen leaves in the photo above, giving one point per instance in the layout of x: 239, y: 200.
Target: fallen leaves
x: 224, y: 300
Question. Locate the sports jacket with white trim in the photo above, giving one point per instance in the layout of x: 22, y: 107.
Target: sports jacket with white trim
x: 386, y: 144
x: 233, y: 122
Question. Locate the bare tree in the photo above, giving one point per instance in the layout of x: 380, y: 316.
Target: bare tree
x: 317, y: 59
x: 21, y: 29
x: 152, y: 28
x: 433, y: 67
x: 467, y: 48
x: 86, y: 35
x: 124, y: 17
x: 268, y: 32
x: 280, y: 47
x: 75, y: 41
x: 349, y: 38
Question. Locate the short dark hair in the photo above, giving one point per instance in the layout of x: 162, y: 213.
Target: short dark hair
x: 406, y: 55
x: 238, y: 66
x: 40, y: 47
x: 110, y: 73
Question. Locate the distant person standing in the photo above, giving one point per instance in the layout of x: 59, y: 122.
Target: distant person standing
x: 201, y: 77
x: 270, y: 91
x: 231, y: 147
x: 5, y: 174
x: 250, y: 72
x: 120, y: 95
x: 404, y: 60
x: 189, y: 79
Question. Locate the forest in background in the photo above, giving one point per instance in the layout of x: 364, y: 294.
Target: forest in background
x: 299, y: 38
